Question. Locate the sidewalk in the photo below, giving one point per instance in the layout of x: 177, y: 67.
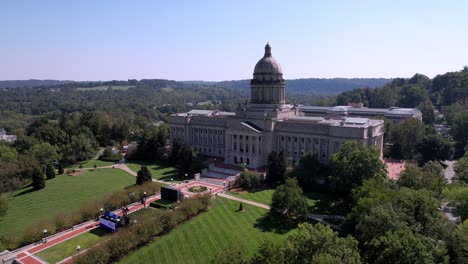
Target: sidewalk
x: 26, y: 254
x: 227, y: 196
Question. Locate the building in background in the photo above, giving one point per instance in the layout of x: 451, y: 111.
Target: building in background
x: 5, y: 137
x: 268, y: 124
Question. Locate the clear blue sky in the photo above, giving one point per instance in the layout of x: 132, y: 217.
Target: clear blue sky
x: 222, y: 40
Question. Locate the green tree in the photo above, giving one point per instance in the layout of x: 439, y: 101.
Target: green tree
x: 45, y: 153
x: 310, y: 172
x: 143, y: 175
x: 353, y: 164
x: 175, y: 151
x: 460, y: 131
x: 434, y: 147
x: 248, y: 180
x: 7, y: 153
x: 313, y: 243
x: 50, y: 171
x: 416, y: 178
x: 3, y: 206
x: 270, y: 253
x: 289, y: 201
x: 60, y: 169
x: 406, y: 136
x: 185, y: 160
x: 230, y: 255
x: 427, y: 110
x: 461, y: 243
x: 38, y: 181
x: 461, y: 169
x: 400, y: 247
x: 276, y: 167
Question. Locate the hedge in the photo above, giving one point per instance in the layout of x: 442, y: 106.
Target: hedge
x: 144, y: 231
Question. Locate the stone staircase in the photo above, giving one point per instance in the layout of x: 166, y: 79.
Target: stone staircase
x: 219, y: 175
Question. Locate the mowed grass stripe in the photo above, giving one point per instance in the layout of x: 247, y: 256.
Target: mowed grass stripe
x: 62, y: 194
x: 198, y: 240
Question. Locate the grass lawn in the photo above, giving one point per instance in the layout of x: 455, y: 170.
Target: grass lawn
x: 158, y: 171
x: 64, y: 193
x: 198, y: 240
x: 68, y: 248
x: 138, y: 215
x: 320, y: 203
x: 263, y: 196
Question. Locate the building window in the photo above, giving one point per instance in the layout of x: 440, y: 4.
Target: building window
x: 302, y: 139
x: 295, y: 139
x: 259, y: 138
x: 246, y: 137
x: 248, y: 161
x: 235, y: 136
x: 282, y: 138
x: 253, y: 148
x: 246, y: 148
x: 235, y: 146
x: 240, y: 136
x: 289, y: 139
x: 235, y: 159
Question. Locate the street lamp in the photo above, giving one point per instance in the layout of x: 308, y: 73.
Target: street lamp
x: 78, y: 248
x: 45, y: 235
x: 186, y: 175
x: 171, y: 181
x: 101, y: 211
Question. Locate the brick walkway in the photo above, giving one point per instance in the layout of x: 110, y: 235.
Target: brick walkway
x: 25, y: 254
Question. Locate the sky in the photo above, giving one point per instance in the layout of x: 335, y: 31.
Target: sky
x: 222, y: 40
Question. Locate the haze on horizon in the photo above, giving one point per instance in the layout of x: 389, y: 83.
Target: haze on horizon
x: 222, y: 40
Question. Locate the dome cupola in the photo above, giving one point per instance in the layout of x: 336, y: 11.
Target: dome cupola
x: 267, y: 85
x: 267, y: 68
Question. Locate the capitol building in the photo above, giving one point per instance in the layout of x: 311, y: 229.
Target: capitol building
x: 248, y: 135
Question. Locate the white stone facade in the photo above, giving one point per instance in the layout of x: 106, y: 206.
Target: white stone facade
x: 267, y: 124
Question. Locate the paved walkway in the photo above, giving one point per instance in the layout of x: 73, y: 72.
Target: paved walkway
x: 227, y: 196
x: 26, y: 254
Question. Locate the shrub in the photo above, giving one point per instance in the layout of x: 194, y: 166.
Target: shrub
x: 90, y: 210
x: 248, y: 180
x: 96, y: 255
x: 34, y: 231
x: 64, y: 220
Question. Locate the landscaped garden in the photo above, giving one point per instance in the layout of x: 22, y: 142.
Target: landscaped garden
x: 68, y: 248
x: 198, y: 240
x: 197, y: 189
x: 61, y: 194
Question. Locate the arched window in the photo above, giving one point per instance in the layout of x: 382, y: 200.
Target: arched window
x: 235, y: 159
x: 248, y: 161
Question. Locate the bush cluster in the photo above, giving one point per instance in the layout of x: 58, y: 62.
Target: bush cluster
x: 144, y: 231
x: 87, y: 211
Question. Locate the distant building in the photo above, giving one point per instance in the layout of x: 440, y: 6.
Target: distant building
x: 391, y: 114
x: 268, y: 124
x: 5, y: 137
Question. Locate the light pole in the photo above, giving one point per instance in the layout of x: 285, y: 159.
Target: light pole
x: 186, y: 175
x: 45, y: 235
x: 171, y: 181
x: 78, y: 248
x: 101, y: 211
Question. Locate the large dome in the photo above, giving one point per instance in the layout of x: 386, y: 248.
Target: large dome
x: 267, y: 68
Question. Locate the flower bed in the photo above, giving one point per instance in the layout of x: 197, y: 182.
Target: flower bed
x: 197, y: 189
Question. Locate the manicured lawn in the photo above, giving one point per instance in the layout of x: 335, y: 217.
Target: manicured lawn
x: 198, y: 240
x: 263, y: 196
x: 320, y: 203
x: 62, y: 194
x: 68, y: 248
x: 158, y: 171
